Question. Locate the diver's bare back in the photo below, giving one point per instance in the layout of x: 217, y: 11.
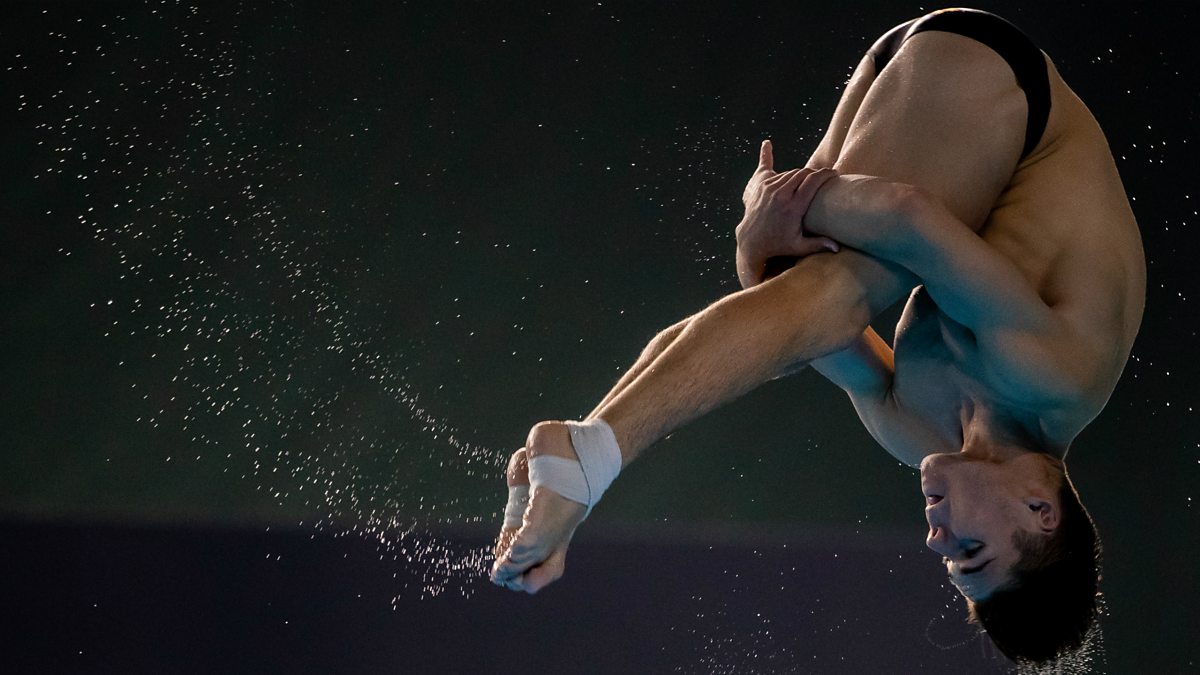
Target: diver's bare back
x: 1066, y: 223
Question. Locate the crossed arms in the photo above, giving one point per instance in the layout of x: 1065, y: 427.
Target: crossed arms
x: 1033, y: 350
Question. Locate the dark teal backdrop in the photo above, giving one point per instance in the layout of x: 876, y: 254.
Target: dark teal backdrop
x: 318, y: 268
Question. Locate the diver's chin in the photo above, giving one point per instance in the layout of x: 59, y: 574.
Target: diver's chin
x: 972, y: 594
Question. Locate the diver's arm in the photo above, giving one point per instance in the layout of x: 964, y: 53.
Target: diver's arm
x: 1031, y: 346
x: 865, y: 371
x: 972, y: 283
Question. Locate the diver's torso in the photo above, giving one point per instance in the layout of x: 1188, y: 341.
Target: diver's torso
x: 1065, y: 222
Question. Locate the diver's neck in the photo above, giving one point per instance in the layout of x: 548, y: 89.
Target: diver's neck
x: 988, y: 433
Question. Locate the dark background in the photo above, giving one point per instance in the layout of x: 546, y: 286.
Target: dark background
x: 283, y: 284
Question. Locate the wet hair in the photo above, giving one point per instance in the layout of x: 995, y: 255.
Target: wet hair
x: 1046, y: 610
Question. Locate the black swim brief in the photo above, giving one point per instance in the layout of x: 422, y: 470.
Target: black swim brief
x: 1005, y: 39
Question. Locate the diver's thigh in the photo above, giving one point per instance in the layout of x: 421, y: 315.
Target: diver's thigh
x: 864, y: 75
x: 946, y: 115
x: 830, y: 147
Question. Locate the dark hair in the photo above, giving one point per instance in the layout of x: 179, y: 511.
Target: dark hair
x: 1047, y: 609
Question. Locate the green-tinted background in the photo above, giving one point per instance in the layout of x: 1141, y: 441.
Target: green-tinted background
x: 483, y: 213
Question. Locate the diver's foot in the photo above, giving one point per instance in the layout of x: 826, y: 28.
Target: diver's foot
x: 550, y: 439
x: 516, y: 476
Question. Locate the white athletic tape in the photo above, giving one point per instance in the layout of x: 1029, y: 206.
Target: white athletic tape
x: 582, y: 481
x: 596, y: 445
x: 564, y: 476
x: 514, y: 511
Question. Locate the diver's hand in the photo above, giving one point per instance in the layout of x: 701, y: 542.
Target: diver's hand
x: 533, y: 556
x: 775, y: 207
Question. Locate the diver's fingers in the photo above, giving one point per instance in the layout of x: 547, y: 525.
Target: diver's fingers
x: 766, y: 157
x: 815, y: 244
x: 782, y: 178
x: 794, y: 180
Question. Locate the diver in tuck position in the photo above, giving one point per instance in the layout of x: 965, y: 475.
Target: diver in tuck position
x: 958, y: 168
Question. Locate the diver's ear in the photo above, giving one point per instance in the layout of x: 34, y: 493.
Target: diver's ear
x: 1045, y: 512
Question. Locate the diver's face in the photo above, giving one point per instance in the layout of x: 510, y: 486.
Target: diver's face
x: 974, y: 507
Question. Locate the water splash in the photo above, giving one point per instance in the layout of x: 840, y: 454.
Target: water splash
x: 246, y: 296
x: 718, y: 155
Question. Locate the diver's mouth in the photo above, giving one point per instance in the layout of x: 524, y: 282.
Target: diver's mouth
x: 932, y: 499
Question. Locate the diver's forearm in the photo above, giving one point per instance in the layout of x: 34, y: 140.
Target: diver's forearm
x: 868, y: 213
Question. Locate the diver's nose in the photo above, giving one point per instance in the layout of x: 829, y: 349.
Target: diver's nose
x: 940, y: 541
x: 940, y: 538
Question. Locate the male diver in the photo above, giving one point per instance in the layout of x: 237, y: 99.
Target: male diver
x: 958, y: 169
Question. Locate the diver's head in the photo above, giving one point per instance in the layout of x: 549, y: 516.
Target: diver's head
x: 1019, y: 546
x: 976, y: 505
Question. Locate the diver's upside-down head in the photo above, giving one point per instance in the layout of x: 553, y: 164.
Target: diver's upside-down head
x: 1020, y: 546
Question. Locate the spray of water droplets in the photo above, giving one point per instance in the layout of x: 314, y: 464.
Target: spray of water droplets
x: 716, y: 154
x: 725, y: 643
x: 257, y: 334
